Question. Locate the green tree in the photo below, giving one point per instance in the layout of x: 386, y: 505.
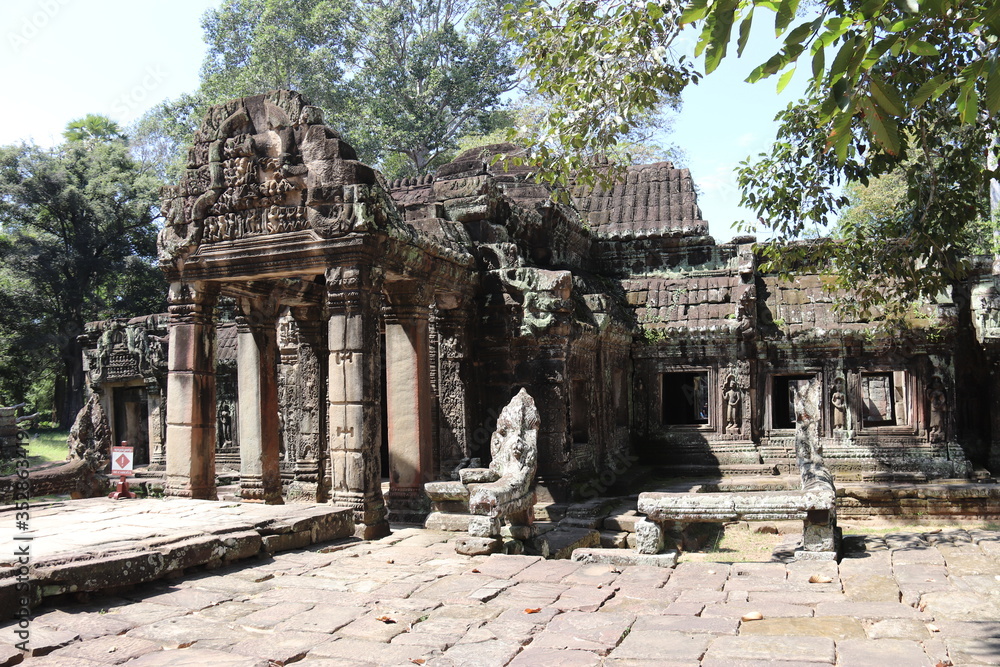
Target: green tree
x: 906, y: 84
x: 77, y: 243
x: 605, y: 72
x: 160, y: 138
x: 402, y: 80
x: 429, y: 72
x: 92, y: 127
x: 260, y: 45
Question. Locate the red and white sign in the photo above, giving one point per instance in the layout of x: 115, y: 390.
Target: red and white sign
x: 121, y: 460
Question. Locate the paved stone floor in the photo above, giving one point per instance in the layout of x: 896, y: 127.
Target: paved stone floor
x: 907, y: 599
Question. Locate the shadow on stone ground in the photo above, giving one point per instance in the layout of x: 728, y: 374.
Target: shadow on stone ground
x: 929, y: 598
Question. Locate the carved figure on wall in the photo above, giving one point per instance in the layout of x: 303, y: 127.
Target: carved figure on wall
x: 745, y: 313
x: 225, y: 426
x: 938, y: 401
x: 157, y: 350
x: 838, y: 404
x: 733, y: 398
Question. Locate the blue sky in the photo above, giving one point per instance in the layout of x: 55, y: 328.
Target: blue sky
x: 63, y: 59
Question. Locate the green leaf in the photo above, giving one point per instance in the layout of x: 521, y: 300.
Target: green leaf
x: 745, y: 25
x: 869, y: 8
x: 843, y: 57
x: 721, y: 31
x: 654, y: 11
x: 696, y: 11
x: 992, y: 98
x: 840, y: 136
x: 786, y: 12
x: 922, y: 48
x: 819, y: 63
x: 886, y: 96
x: 877, y: 51
x: 801, y: 31
x: 905, y: 24
x: 968, y: 102
x: 785, y: 79
x: 933, y: 87
x: 883, y: 128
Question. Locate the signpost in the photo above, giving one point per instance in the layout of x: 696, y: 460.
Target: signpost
x: 121, y: 465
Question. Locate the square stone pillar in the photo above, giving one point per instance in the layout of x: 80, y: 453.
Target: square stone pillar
x: 453, y: 386
x: 190, y: 439
x: 310, y: 379
x: 256, y: 373
x: 408, y: 398
x: 154, y: 405
x: 354, y: 394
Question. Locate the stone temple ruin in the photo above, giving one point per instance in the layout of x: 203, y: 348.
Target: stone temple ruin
x: 329, y: 329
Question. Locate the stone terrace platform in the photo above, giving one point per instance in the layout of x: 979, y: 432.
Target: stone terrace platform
x: 96, y: 544
x: 907, y: 599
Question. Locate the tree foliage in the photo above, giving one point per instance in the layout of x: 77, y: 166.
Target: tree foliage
x: 429, y: 73
x: 605, y: 72
x: 900, y: 88
x: 77, y: 243
x: 908, y: 85
x: 402, y: 80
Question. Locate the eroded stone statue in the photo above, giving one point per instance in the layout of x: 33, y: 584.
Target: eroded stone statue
x: 506, y: 490
x: 90, y: 437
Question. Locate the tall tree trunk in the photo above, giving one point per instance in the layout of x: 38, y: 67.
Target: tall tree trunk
x: 71, y: 400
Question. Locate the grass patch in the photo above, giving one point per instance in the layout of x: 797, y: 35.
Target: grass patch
x: 737, y: 543
x: 47, y: 447
x: 43, y: 447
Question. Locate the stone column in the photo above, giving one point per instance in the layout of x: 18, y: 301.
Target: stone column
x: 408, y: 397
x: 454, y: 420
x: 154, y: 404
x: 190, y: 441
x: 311, y: 382
x: 354, y: 390
x: 256, y: 349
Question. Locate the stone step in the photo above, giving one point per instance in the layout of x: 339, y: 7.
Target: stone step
x: 109, y: 544
x: 720, y: 470
x: 624, y: 557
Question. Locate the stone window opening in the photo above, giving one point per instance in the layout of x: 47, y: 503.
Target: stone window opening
x: 883, y: 399
x: 685, y: 399
x: 783, y: 399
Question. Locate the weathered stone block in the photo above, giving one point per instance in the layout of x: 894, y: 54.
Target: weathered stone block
x: 624, y: 557
x: 478, y: 546
x: 649, y: 537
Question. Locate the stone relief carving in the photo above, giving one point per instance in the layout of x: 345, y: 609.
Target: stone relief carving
x: 746, y: 312
x: 937, y: 401
x: 733, y: 398
x: 261, y: 166
x: 838, y: 405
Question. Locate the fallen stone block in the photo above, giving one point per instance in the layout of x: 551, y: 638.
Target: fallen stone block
x: 624, y: 557
x: 452, y: 523
x: 284, y: 542
x: 478, y: 546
